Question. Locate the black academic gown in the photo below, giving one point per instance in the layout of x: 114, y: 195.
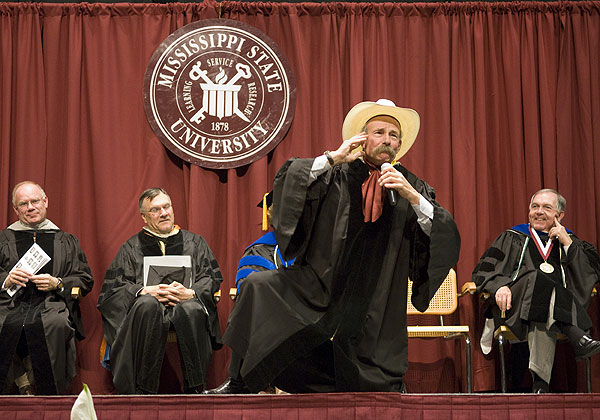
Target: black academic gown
x: 136, y: 327
x: 51, y: 320
x: 342, y: 305
x: 511, y: 262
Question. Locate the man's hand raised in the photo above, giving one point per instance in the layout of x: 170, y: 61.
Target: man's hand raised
x: 347, y: 151
x: 558, y: 231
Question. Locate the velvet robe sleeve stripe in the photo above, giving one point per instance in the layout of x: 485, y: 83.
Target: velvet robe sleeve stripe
x: 498, y: 263
x: 263, y: 254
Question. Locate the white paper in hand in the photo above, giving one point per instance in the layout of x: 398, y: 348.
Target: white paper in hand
x: 32, y: 261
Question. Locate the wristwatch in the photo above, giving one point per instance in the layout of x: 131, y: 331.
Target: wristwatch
x: 327, y: 154
x: 59, y: 285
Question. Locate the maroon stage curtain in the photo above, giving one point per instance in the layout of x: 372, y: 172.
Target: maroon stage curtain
x: 508, y: 95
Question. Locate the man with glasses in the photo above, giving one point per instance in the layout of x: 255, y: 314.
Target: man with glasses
x: 540, y: 277
x: 140, y: 304
x: 39, y: 318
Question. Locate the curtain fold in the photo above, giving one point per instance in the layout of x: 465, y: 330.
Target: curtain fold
x: 508, y: 95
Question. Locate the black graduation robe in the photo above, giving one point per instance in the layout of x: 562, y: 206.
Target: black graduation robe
x: 513, y: 260
x: 347, y: 286
x: 51, y: 320
x: 137, y: 335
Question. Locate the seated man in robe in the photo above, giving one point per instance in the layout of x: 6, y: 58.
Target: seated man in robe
x: 540, y: 277
x: 264, y: 253
x: 39, y: 319
x: 137, y: 316
x: 335, y: 320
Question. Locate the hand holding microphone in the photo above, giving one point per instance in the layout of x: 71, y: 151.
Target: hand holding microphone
x: 392, y: 194
x: 396, y: 184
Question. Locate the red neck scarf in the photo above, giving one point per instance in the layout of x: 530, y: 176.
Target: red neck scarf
x: 372, y: 194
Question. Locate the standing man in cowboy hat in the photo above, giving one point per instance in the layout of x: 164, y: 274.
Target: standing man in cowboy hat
x: 336, y: 319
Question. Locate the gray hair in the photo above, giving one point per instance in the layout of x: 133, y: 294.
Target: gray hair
x: 19, y: 185
x: 150, y: 194
x: 561, y: 202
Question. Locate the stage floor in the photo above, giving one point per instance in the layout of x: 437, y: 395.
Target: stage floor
x: 313, y: 407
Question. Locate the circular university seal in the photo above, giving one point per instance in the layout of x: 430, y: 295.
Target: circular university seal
x: 218, y: 93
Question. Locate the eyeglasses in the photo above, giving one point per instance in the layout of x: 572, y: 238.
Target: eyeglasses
x: 156, y: 210
x: 24, y: 204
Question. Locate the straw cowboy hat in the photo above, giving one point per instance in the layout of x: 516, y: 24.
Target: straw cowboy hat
x: 409, y: 120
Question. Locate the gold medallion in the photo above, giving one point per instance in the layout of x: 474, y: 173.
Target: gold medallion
x: 546, y: 268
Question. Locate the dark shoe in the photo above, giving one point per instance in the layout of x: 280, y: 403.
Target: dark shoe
x: 27, y: 390
x: 230, y: 386
x: 192, y: 390
x: 586, y: 347
x: 539, y: 385
x: 269, y: 390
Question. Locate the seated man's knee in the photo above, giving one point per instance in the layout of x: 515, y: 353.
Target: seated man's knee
x: 145, y: 303
x: 191, y: 307
x: 256, y: 281
x: 57, y: 324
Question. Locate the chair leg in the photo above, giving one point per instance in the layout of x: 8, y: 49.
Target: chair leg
x: 502, y: 365
x: 468, y: 350
x: 588, y: 374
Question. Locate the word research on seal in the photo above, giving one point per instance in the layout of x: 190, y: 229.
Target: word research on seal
x: 218, y: 93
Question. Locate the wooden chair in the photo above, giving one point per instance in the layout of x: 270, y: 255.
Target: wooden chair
x: 444, y: 302
x: 504, y: 335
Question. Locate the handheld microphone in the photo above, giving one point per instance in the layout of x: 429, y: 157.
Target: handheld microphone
x: 392, y: 194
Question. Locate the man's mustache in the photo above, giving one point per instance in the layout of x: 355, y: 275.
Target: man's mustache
x: 384, y: 148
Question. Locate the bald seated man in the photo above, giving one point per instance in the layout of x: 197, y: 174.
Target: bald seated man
x: 39, y: 318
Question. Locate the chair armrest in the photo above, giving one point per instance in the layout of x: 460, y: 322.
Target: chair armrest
x: 469, y: 287
x: 75, y: 292
x: 217, y: 296
x: 233, y: 293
